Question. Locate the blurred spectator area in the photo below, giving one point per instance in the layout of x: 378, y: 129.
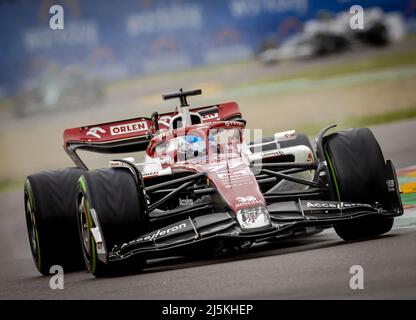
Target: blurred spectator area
x: 106, y: 41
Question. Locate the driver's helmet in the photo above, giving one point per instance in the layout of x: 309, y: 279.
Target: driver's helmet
x: 192, y: 146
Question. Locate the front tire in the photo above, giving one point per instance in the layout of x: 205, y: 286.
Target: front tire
x: 51, y: 219
x: 110, y: 200
x: 358, y: 174
x: 364, y: 229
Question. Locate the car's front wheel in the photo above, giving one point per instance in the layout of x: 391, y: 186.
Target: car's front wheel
x: 358, y: 174
x: 110, y: 206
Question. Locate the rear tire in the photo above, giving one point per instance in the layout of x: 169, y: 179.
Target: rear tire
x: 51, y: 219
x: 358, y: 171
x: 121, y: 216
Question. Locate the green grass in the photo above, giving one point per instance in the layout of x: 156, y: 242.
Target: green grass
x: 314, y: 128
x: 6, y: 185
x: 200, y: 71
x: 371, y: 64
x: 382, y: 118
x: 5, y: 104
x: 411, y: 35
x: 382, y: 62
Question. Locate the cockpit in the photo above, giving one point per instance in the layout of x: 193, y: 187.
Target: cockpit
x: 188, y: 139
x: 198, y: 145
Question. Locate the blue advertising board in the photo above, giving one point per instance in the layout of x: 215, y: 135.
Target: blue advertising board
x: 116, y: 40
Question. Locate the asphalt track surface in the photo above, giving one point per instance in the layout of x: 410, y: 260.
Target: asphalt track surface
x: 306, y: 268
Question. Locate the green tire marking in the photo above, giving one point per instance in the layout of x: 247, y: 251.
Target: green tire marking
x: 331, y: 166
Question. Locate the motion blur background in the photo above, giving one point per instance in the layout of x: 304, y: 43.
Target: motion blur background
x: 288, y: 63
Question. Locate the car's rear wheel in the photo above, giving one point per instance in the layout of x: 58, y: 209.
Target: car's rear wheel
x: 51, y: 219
x: 110, y: 200
x: 358, y: 174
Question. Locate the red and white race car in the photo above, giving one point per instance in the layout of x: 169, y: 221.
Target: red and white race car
x: 203, y: 186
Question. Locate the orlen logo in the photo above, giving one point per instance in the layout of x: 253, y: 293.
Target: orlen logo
x: 128, y: 128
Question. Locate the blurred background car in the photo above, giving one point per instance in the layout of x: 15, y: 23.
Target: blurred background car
x: 58, y: 89
x: 327, y: 35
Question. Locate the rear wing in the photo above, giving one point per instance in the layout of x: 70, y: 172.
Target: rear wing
x: 133, y: 135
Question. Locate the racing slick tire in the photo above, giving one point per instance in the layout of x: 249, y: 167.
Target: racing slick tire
x: 301, y: 139
x: 51, y: 219
x: 357, y: 168
x: 118, y: 204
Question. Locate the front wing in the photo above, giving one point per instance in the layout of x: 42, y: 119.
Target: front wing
x: 287, y: 219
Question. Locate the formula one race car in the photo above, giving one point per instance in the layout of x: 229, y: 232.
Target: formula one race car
x: 202, y: 188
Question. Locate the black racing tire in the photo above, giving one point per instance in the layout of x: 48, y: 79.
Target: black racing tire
x: 301, y: 139
x: 120, y: 210
x: 51, y: 221
x: 365, y: 229
x: 358, y: 174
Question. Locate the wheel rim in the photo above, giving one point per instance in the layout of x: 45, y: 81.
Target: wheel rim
x: 32, y: 232
x: 31, y: 227
x: 85, y: 229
